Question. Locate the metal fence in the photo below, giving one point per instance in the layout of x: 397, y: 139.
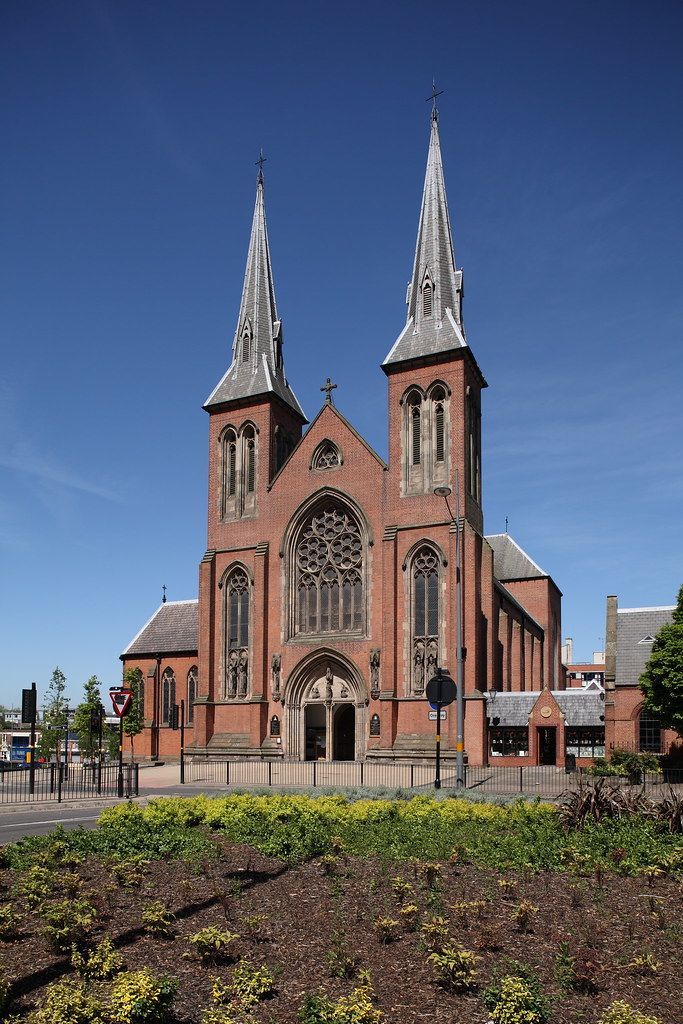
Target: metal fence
x: 529, y: 780
x: 21, y: 784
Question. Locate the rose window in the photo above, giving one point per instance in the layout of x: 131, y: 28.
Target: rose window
x: 329, y: 574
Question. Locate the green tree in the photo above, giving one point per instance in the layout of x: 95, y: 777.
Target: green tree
x: 134, y: 722
x: 92, y: 702
x: 662, y: 680
x: 54, y: 717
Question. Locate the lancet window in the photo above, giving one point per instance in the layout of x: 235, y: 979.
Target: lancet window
x: 426, y: 441
x: 237, y: 613
x: 191, y: 695
x: 328, y: 574
x: 167, y: 695
x: 238, y: 471
x: 424, y: 618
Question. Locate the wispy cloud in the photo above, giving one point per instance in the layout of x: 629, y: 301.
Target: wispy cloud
x: 19, y: 453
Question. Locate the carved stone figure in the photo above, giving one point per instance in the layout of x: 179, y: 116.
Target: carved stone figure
x: 315, y: 692
x: 432, y: 659
x: 232, y: 674
x: 275, y: 663
x: 344, y: 690
x: 419, y: 661
x: 329, y: 677
x: 242, y: 665
x: 374, y: 672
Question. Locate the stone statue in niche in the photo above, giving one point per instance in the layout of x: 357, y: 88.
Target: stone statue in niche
x: 374, y: 672
x: 315, y: 692
x: 344, y: 690
x: 275, y: 664
x: 432, y: 659
x: 419, y: 662
x: 242, y: 665
x: 374, y: 725
x: 329, y: 677
x: 232, y: 674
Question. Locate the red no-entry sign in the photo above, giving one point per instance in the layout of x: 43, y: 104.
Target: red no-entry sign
x: 121, y: 699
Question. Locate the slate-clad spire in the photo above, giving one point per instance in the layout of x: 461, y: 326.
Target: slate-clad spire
x: 257, y: 366
x: 434, y: 321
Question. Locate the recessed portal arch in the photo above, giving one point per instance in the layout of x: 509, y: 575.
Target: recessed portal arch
x: 326, y: 701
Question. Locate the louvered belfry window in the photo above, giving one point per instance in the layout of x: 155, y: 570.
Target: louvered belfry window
x: 415, y: 439
x: 427, y: 293
x: 439, y: 429
x: 425, y: 646
x: 250, y: 460
x: 328, y: 572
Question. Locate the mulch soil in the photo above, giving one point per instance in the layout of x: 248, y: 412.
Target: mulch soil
x: 308, y: 912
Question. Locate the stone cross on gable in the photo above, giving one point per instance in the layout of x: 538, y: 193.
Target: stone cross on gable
x: 328, y: 387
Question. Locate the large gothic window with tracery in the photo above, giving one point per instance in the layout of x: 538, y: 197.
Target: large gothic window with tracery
x: 425, y: 617
x: 328, y: 574
x: 237, y: 634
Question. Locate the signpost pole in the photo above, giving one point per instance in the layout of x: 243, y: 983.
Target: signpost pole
x: 439, y: 695
x: 120, y: 776
x: 182, y: 742
x: 459, y: 700
x: 32, y: 766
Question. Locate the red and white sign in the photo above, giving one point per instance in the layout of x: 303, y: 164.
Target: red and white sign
x: 121, y: 699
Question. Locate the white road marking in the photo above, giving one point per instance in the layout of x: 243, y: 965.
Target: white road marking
x: 47, y: 821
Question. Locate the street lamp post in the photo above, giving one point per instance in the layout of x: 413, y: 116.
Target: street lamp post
x: 444, y: 492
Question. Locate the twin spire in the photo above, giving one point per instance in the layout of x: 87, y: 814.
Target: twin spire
x: 257, y: 366
x: 434, y: 321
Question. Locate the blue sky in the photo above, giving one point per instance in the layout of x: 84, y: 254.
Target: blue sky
x: 130, y: 132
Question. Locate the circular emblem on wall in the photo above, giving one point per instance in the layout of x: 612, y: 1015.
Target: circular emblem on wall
x: 546, y: 712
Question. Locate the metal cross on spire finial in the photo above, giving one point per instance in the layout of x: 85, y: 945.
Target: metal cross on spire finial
x: 328, y: 387
x: 435, y: 92
x: 163, y: 600
x: 259, y: 163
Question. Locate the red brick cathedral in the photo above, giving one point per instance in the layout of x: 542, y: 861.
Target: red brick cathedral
x: 326, y: 594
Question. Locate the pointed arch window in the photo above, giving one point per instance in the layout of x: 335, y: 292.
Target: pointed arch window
x: 328, y: 573
x: 237, y: 613
x: 327, y: 456
x: 249, y: 460
x: 425, y: 618
x: 229, y: 467
x: 415, y: 432
x: 191, y: 695
x: 246, y: 341
x: 167, y: 695
x: 438, y: 398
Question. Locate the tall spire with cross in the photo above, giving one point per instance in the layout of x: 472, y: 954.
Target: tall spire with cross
x: 257, y: 365
x: 434, y: 321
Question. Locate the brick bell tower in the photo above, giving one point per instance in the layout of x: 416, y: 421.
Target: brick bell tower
x: 255, y: 420
x: 434, y: 391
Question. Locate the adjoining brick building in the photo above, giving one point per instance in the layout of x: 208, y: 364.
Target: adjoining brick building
x: 629, y: 635
x: 326, y: 594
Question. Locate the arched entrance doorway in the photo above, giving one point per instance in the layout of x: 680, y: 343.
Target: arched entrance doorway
x: 325, y: 710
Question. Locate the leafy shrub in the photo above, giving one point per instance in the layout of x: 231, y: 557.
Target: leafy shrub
x: 129, y: 871
x: 157, y: 920
x: 9, y: 921
x: 138, y: 997
x: 512, y: 1001
x: 577, y: 971
x: 469, y: 910
x: 387, y: 929
x: 430, y: 873
x: 517, y: 1003
x: 4, y: 992
x: 621, y: 1013
x: 340, y: 960
x: 36, y: 886
x: 404, y: 890
x: 330, y: 864
x: 250, y: 984
x: 644, y: 963
x: 212, y: 943
x: 434, y: 933
x: 102, y: 961
x: 409, y: 914
x: 66, y: 1002
x: 222, y: 1015
x: 356, y: 1008
x: 66, y: 922
x: 524, y: 915
x: 256, y: 926
x: 507, y: 886
x: 487, y: 937
x: 454, y: 967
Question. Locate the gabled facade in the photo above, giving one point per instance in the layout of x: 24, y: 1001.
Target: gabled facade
x: 326, y: 593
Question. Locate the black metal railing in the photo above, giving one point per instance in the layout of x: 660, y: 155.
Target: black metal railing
x: 503, y: 781
x: 21, y: 784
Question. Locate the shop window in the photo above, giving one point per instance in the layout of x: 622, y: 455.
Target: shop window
x: 585, y: 741
x: 509, y: 742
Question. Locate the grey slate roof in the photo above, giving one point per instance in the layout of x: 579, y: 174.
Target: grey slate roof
x: 443, y: 330
x: 259, y: 330
x: 579, y: 707
x: 510, y: 562
x: 633, y: 624
x: 172, y: 628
